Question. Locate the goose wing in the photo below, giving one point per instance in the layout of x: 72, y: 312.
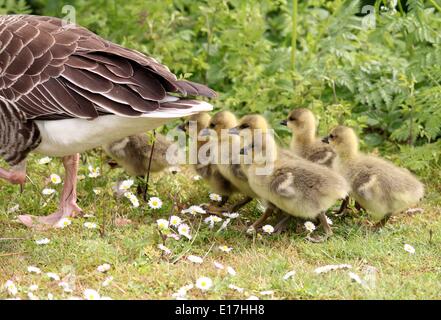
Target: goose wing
x: 49, y: 70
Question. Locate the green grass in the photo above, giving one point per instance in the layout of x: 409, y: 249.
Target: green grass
x: 140, y: 272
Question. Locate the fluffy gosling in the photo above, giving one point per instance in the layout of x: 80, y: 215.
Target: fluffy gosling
x: 294, y: 185
x: 209, y: 172
x: 381, y: 188
x: 304, y: 142
x: 228, y: 162
x: 133, y: 153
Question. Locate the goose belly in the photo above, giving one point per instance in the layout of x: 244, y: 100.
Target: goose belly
x: 65, y: 137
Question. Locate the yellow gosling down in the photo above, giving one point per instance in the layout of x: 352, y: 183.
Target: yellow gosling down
x: 304, y: 142
x: 228, y: 162
x: 382, y: 188
x: 295, y: 186
x: 133, y: 153
x: 208, y: 171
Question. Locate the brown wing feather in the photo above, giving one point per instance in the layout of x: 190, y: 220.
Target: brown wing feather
x: 53, y: 72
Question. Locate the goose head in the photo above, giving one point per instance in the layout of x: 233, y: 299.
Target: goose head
x: 220, y: 123
x: 343, y: 140
x: 202, y: 121
x: 302, y: 122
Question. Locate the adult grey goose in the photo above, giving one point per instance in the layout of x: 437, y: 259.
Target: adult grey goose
x: 65, y: 90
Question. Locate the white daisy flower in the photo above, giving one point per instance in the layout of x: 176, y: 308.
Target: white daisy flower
x: 197, y: 178
x: 204, y: 283
x: 32, y: 269
x: 268, y: 229
x: 126, y: 185
x: 44, y: 160
x: 194, y: 210
x: 97, y: 191
x: 289, y: 275
x: 414, y: 210
x: 32, y: 296
x: 224, y: 225
x: 232, y: 215
x: 11, y: 288
x: 14, y: 209
x: 309, y: 226
x: 155, y: 203
x: 132, y: 198
x: 63, y: 223
x: 48, y: 191
x: 329, y: 221
x: 42, y: 241
x: 33, y: 287
x: 66, y: 287
x: 231, y: 271
x: 50, y: 296
x: 173, y: 236
x: 103, y: 268
x: 81, y: 177
x: 356, y: 278
x: 162, y: 224
x: 409, y: 248
x: 225, y: 249
x: 94, y: 172
x: 267, y: 293
x: 55, y: 178
x: 236, y: 288
x: 184, y: 230
x: 252, y: 298
x: 195, y: 259
x: 164, y: 248
x: 107, y: 281
x: 182, y: 292
x: 175, y: 221
x: 211, y: 220
x: 215, y: 197
x: 90, y: 294
x: 53, y: 276
x: 332, y: 267
x: 218, y: 265
x: 90, y: 225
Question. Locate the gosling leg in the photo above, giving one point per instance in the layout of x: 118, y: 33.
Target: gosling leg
x: 282, y: 224
x: 326, y: 227
x: 223, y: 201
x: 240, y: 204
x: 382, y: 222
x: 343, y: 207
x: 259, y: 222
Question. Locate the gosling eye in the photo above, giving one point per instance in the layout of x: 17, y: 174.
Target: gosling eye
x: 244, y: 126
x: 212, y: 125
x: 332, y: 136
x: 292, y: 119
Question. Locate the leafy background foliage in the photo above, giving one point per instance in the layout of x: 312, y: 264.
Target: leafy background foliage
x: 385, y: 80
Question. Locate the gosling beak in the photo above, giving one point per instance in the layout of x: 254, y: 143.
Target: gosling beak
x: 244, y: 150
x: 284, y: 122
x: 234, y: 131
x: 204, y: 132
x: 325, y: 140
x: 182, y: 127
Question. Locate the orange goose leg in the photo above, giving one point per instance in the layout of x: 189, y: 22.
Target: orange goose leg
x: 17, y: 174
x: 68, y: 203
